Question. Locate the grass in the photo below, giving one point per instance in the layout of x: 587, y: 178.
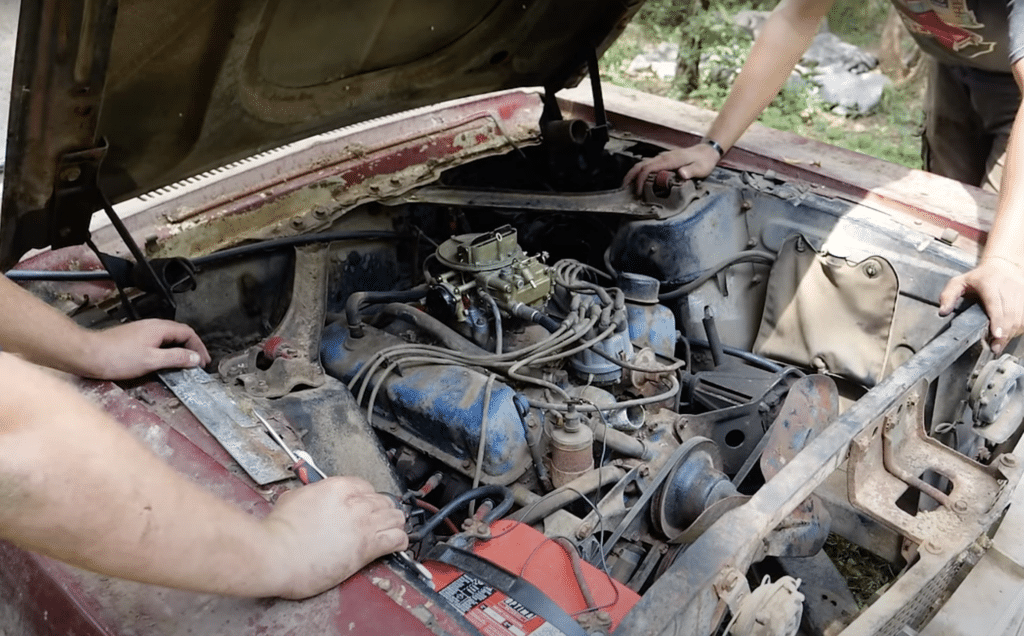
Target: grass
x: 892, y: 132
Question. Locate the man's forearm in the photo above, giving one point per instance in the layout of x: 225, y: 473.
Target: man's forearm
x: 78, y: 487
x: 998, y: 279
x: 783, y: 40
x: 40, y: 333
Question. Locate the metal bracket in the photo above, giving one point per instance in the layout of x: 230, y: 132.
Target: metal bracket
x: 896, y: 453
x: 293, y: 349
x: 76, y: 195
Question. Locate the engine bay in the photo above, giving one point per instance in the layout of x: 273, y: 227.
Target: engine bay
x: 525, y: 343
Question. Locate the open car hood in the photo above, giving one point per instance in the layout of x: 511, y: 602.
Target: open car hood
x: 138, y: 94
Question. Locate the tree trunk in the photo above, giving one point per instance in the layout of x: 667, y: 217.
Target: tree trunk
x: 688, y: 63
x: 898, y: 55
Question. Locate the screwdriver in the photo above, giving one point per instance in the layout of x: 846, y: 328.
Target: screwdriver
x: 302, y: 464
x: 308, y: 472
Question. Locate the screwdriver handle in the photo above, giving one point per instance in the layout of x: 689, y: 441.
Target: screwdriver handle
x: 307, y: 474
x: 305, y: 469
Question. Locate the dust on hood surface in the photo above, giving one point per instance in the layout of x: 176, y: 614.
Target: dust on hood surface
x: 138, y: 94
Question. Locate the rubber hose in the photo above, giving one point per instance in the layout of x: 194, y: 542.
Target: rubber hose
x: 359, y: 300
x: 448, y: 336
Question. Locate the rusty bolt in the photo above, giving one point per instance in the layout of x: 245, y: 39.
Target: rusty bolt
x: 1008, y: 459
x: 932, y: 547
x: 960, y: 506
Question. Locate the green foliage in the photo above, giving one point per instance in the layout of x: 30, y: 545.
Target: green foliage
x: 671, y: 13
x: 721, y: 48
x: 858, y: 21
x: 894, y: 133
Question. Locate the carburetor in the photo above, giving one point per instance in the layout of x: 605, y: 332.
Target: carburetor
x: 492, y: 263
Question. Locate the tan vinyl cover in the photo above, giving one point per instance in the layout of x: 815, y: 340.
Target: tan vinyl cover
x: 828, y: 313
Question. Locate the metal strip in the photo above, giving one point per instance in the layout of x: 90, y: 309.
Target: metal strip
x: 240, y: 435
x: 620, y: 201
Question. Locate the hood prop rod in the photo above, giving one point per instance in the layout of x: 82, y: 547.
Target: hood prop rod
x: 133, y: 247
x: 599, y: 133
x: 80, y: 192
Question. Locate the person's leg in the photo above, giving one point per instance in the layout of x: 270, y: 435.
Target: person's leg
x: 994, y: 166
x: 995, y: 97
x: 952, y: 144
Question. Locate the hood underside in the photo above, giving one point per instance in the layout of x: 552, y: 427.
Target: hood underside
x: 138, y: 94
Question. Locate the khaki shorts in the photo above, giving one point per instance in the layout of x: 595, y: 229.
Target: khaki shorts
x: 968, y: 117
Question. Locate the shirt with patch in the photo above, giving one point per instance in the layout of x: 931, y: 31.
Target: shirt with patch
x: 984, y: 34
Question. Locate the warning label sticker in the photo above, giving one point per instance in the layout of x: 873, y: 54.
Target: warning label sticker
x: 492, y: 612
x: 465, y: 593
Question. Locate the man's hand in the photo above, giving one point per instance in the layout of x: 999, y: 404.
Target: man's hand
x: 999, y: 284
x: 323, y: 533
x: 690, y: 163
x: 137, y: 348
